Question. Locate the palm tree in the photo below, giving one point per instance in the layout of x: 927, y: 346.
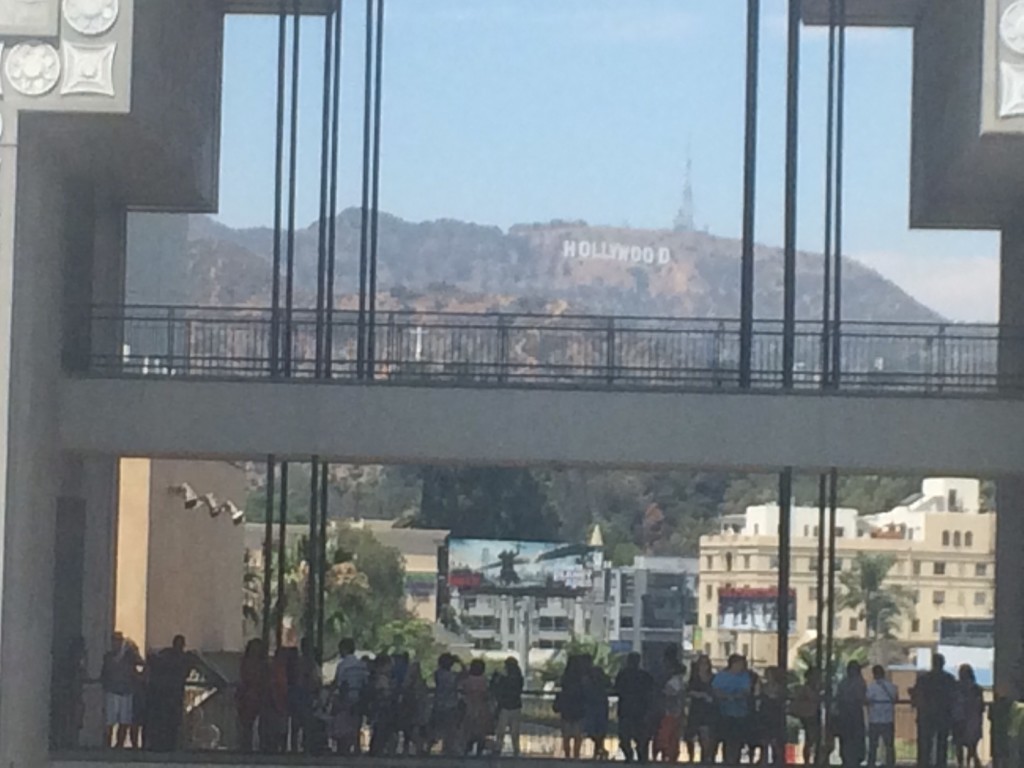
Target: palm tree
x: 879, y: 605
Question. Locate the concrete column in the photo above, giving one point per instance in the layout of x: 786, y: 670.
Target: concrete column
x: 99, y: 492
x: 1009, y: 599
x: 8, y: 176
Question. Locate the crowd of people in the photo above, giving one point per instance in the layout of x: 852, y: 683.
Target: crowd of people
x: 386, y: 705
x: 284, y: 705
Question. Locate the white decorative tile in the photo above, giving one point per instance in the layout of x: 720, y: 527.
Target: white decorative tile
x: 1011, y: 27
x: 32, y: 69
x: 1011, y: 89
x: 88, y: 69
x: 91, y: 17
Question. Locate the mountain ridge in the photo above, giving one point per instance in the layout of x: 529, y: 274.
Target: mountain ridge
x: 562, y: 266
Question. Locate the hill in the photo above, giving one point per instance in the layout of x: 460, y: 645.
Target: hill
x: 559, y: 266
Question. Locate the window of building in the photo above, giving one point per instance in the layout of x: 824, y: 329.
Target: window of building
x: 957, y: 541
x: 939, y: 569
x: 839, y: 561
x: 807, y: 531
x: 815, y: 531
x: 980, y: 569
x: 935, y: 627
x: 542, y: 602
x: 468, y: 603
x: 968, y: 539
x: 853, y: 624
x: 746, y: 562
x: 812, y: 622
x: 707, y: 620
x: 511, y: 645
x: 710, y: 560
x: 938, y: 597
x: 773, y: 562
x: 952, y: 502
x: 626, y: 622
x: 915, y: 626
x: 511, y: 625
x: 727, y: 648
x: 979, y: 598
x: 728, y: 561
x: 945, y: 538
x: 840, y: 532
x: 587, y: 624
x: 812, y: 593
x: 917, y: 568
x: 746, y: 649
x: 707, y: 649
x: 812, y: 564
x: 709, y: 592
x: 917, y: 596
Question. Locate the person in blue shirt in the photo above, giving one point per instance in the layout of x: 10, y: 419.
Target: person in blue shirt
x: 733, y: 690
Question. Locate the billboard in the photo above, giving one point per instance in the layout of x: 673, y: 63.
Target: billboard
x: 540, y: 567
x: 753, y: 609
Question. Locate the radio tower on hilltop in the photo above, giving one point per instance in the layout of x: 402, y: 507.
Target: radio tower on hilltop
x: 684, y: 218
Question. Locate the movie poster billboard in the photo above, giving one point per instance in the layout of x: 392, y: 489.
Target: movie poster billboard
x: 753, y: 609
x: 494, y: 565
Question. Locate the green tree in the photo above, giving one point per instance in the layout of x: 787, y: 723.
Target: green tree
x: 487, y: 502
x: 879, y: 605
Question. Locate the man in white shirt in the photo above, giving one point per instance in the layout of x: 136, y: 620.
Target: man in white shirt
x: 882, y: 696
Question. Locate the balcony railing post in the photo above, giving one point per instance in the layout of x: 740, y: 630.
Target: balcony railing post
x: 717, y: 344
x: 170, y: 341
x: 942, y: 356
x: 187, y: 355
x: 610, y: 364
x: 502, y: 360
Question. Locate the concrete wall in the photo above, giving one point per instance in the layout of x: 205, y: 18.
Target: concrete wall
x: 133, y: 550
x: 390, y: 424
x: 195, y: 562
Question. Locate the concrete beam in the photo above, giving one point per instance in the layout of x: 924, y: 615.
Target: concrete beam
x: 392, y: 424
x: 867, y: 13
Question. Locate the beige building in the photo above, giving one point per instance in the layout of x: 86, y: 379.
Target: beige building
x: 942, y: 544
x: 179, y: 568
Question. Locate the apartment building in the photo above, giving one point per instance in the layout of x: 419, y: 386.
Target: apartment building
x: 942, y: 546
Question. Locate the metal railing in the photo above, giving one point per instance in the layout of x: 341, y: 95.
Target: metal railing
x: 563, y: 350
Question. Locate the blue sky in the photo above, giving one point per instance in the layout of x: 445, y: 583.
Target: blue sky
x: 507, y: 111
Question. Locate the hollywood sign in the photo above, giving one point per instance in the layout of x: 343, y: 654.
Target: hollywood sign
x: 604, y: 251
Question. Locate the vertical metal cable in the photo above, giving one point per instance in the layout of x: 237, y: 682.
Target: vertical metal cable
x: 268, y: 554
x: 830, y: 138
x: 792, y: 154
x: 289, y: 295
x: 371, y: 347
x: 282, y: 554
x: 275, y: 292
x: 325, y: 150
x: 332, y: 225
x: 785, y: 531
x: 819, y: 638
x: 312, y: 549
x: 365, y: 218
x: 275, y: 329
x: 749, y: 195
x: 837, y: 335
x: 830, y: 667
x: 322, y: 558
